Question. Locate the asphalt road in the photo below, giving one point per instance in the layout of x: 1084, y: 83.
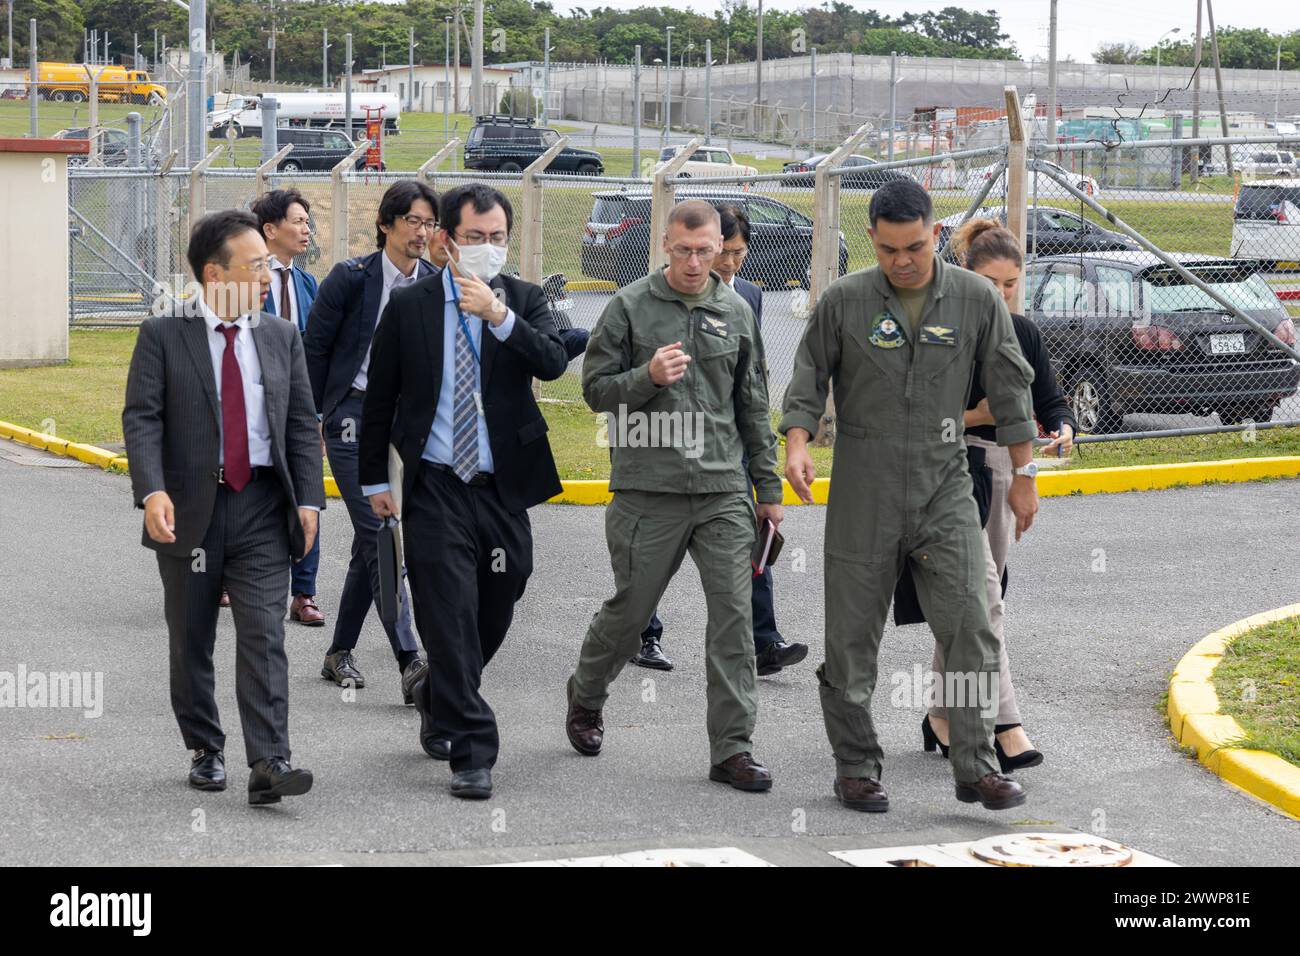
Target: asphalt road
x: 1092, y: 653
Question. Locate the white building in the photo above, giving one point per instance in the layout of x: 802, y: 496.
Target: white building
x: 435, y: 89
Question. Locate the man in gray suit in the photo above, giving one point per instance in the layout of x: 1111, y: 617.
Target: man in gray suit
x: 225, y: 460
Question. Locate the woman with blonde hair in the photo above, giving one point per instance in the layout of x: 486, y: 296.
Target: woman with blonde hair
x: 984, y: 246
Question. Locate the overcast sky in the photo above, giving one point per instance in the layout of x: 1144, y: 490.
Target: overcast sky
x: 1081, y: 24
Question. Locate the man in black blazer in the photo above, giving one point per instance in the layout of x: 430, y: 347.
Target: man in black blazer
x: 340, y: 329
x: 771, y: 651
x: 451, y: 372
x: 225, y: 461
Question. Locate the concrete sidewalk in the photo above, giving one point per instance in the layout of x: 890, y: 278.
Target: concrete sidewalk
x: 1091, y: 649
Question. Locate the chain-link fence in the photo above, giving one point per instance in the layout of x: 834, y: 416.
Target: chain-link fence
x: 1161, y: 286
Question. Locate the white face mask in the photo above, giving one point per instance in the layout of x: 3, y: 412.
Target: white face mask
x: 482, y: 261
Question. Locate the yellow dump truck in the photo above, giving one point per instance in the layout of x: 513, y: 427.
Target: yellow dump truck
x: 68, y: 82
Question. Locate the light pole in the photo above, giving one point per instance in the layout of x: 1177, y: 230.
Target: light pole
x: 657, y: 62
x: 668, y: 86
x: 410, y: 68
x: 758, y: 58
x: 446, y: 79
x: 546, y: 69
x: 325, y: 60
x: 1277, y: 94
x: 1159, y: 47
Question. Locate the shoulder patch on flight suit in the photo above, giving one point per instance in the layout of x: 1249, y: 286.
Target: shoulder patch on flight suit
x: 938, y: 335
x: 713, y: 326
x: 885, y: 332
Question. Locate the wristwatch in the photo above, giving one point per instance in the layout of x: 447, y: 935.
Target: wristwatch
x: 1029, y: 471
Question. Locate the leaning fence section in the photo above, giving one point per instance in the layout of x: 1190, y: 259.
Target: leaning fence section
x: 1163, y: 276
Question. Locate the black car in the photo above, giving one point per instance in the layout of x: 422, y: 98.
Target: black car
x: 1048, y: 231
x: 1129, y: 335
x: 112, y: 145
x: 507, y: 144
x: 315, y: 149
x: 864, y: 178
x: 616, y: 239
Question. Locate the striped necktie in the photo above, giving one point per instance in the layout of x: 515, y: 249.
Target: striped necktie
x: 464, y: 418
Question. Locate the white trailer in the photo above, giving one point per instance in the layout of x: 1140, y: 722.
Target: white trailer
x: 244, y: 111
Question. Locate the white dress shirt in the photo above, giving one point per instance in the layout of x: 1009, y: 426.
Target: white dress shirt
x: 250, y: 371
x: 393, y: 279
x: 278, y: 267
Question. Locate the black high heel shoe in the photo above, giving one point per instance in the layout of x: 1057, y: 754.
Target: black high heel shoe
x: 929, y: 739
x: 1030, y: 758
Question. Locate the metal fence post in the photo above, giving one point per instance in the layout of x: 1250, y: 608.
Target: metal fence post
x: 531, y: 237
x: 1017, y: 198
x: 270, y: 136
x: 199, y: 187
x: 162, y: 223
x: 662, y: 194
x: 267, y: 167
x: 430, y: 165
x: 826, y: 217
x: 339, y: 202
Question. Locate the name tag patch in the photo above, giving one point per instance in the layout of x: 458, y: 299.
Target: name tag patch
x: 886, y: 332
x: 938, y: 335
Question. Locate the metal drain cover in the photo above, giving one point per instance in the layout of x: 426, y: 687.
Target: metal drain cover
x: 1051, y: 849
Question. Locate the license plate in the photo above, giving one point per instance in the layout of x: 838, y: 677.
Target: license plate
x: 562, y: 305
x: 600, y: 238
x: 1231, y: 343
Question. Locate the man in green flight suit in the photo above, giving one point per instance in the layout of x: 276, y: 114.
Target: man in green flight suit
x: 899, y: 343
x: 676, y: 365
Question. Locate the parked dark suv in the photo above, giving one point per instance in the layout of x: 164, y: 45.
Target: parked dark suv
x: 616, y: 239
x: 315, y: 149
x: 1128, y: 335
x: 507, y: 144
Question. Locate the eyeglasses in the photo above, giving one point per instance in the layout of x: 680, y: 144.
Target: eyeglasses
x: 733, y: 253
x: 682, y: 254
x: 476, y: 238
x: 257, y: 265
x: 416, y: 223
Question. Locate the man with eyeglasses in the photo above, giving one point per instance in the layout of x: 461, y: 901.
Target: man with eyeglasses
x: 772, y: 652
x: 452, y: 370
x: 340, y: 330
x: 284, y: 216
x: 676, y: 365
x: 226, y: 463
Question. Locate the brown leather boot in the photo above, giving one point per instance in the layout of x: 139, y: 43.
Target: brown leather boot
x: 994, y: 790
x: 743, y: 772
x: 862, y: 793
x: 586, y: 729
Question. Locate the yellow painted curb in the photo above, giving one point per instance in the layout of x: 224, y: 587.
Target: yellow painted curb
x: 590, y: 285
x: 1085, y: 481
x: 1195, y: 721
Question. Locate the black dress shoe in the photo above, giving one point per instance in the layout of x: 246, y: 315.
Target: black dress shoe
x: 208, y: 770
x: 431, y: 741
x: 862, y: 793
x: 743, y: 772
x: 410, y: 677
x: 652, y: 656
x: 341, y: 668
x: 776, y: 656
x: 472, y: 784
x: 273, y: 778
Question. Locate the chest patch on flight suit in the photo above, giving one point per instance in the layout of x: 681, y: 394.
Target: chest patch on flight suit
x: 885, y: 332
x: 713, y: 326
x: 938, y: 335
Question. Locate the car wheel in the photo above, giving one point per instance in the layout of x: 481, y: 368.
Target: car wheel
x: 59, y: 96
x: 290, y: 166
x: 587, y: 169
x: 510, y: 168
x: 1090, y: 401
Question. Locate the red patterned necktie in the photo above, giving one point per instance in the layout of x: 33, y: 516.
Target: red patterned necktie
x: 234, y: 418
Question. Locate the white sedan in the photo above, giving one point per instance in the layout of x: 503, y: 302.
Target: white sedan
x: 1046, y: 185
x: 708, y: 161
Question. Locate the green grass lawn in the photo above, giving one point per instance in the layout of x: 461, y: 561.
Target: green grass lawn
x: 1258, y: 684
x: 82, y: 401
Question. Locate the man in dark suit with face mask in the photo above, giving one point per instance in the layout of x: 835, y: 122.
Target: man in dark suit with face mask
x: 450, y: 388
